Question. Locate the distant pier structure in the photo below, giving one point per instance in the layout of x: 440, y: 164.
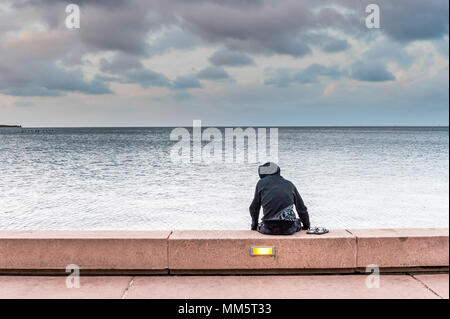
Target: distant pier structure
x: 16, y: 126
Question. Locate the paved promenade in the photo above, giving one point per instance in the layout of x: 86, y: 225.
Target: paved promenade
x: 429, y: 286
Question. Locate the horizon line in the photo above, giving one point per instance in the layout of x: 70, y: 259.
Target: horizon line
x: 236, y: 126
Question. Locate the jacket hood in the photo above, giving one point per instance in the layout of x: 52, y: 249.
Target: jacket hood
x: 267, y: 169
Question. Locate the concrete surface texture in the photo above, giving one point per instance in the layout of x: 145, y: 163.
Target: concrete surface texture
x: 402, y: 247
x: 142, y: 252
x: 231, y: 250
x: 403, y: 286
x: 107, y: 250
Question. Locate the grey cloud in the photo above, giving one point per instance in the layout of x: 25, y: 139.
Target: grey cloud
x: 290, y: 45
x: 385, y: 51
x: 144, y: 77
x: 225, y: 57
x: 279, y: 77
x: 214, y: 74
x: 46, y: 79
x: 186, y: 82
x: 371, y: 71
x: 126, y: 68
x: 147, y: 78
x: 272, y: 27
x: 326, y: 42
x: 336, y: 46
x: 283, y: 26
x: 30, y: 67
x: 406, y: 21
x: 259, y: 27
x: 107, y: 78
x: 30, y: 90
x: 416, y: 20
x: 108, y: 25
x: 368, y: 71
x: 242, y: 27
x: 120, y: 62
x: 123, y: 30
x: 18, y: 3
x: 310, y: 74
x: 173, y: 38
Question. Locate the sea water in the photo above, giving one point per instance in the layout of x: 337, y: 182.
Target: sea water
x: 123, y: 178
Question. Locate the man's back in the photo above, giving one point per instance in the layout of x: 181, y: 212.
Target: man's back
x: 277, y: 196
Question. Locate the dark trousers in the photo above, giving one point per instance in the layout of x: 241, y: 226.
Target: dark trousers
x: 279, y: 227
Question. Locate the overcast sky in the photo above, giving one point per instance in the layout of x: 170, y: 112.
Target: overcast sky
x: 235, y: 62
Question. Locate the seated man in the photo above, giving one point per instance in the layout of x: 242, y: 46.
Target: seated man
x: 277, y: 197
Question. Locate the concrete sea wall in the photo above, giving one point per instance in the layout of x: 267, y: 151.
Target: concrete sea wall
x: 222, y: 252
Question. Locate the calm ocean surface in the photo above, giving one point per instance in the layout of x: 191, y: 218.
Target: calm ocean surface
x: 123, y: 178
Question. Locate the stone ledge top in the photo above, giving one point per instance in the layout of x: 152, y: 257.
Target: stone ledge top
x: 249, y: 234
x: 95, y: 234
x: 220, y: 234
x: 400, y: 232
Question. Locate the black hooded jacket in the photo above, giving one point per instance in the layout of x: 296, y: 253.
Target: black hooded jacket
x: 274, y: 194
